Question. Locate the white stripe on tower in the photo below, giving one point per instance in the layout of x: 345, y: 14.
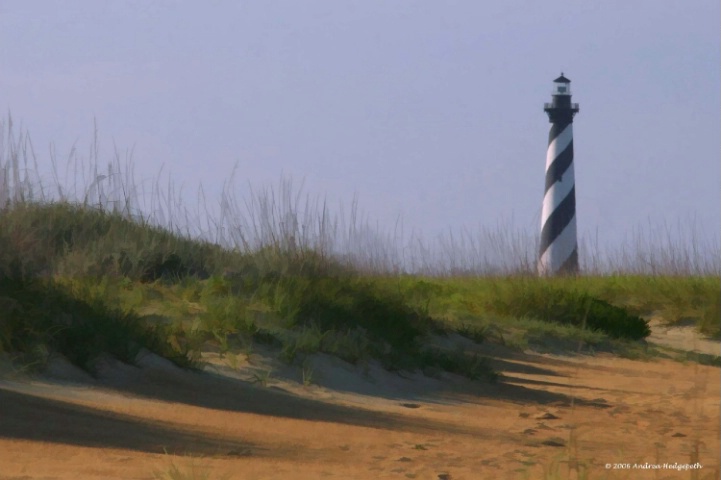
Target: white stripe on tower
x: 559, y: 248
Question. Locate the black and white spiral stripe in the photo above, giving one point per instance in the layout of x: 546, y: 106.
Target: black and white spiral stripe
x: 559, y: 248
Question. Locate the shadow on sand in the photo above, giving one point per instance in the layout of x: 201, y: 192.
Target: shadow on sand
x: 33, y: 416
x: 29, y: 417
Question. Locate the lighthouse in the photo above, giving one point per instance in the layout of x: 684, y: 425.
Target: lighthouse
x: 558, y: 253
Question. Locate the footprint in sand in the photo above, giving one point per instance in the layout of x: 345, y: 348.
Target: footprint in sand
x: 547, y: 416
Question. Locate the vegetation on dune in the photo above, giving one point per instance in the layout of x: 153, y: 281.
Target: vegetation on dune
x: 40, y: 317
x: 83, y: 277
x: 75, y: 276
x: 547, y: 302
x: 70, y: 240
x: 82, y: 282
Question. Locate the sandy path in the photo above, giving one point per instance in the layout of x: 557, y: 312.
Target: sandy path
x: 682, y: 337
x: 119, y: 427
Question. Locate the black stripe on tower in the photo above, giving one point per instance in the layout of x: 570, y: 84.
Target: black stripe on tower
x: 557, y: 222
x: 563, y: 159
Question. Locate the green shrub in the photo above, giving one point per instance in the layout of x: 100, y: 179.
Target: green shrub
x: 351, y: 345
x: 545, y: 301
x: 341, y: 303
x: 71, y: 321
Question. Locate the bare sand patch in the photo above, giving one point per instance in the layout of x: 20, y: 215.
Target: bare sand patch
x: 682, y: 337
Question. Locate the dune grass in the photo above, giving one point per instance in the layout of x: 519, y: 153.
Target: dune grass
x: 192, y: 468
x: 160, y: 291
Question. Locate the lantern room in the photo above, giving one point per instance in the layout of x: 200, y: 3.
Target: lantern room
x: 561, y: 86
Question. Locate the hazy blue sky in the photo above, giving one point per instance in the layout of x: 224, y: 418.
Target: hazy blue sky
x: 432, y: 110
